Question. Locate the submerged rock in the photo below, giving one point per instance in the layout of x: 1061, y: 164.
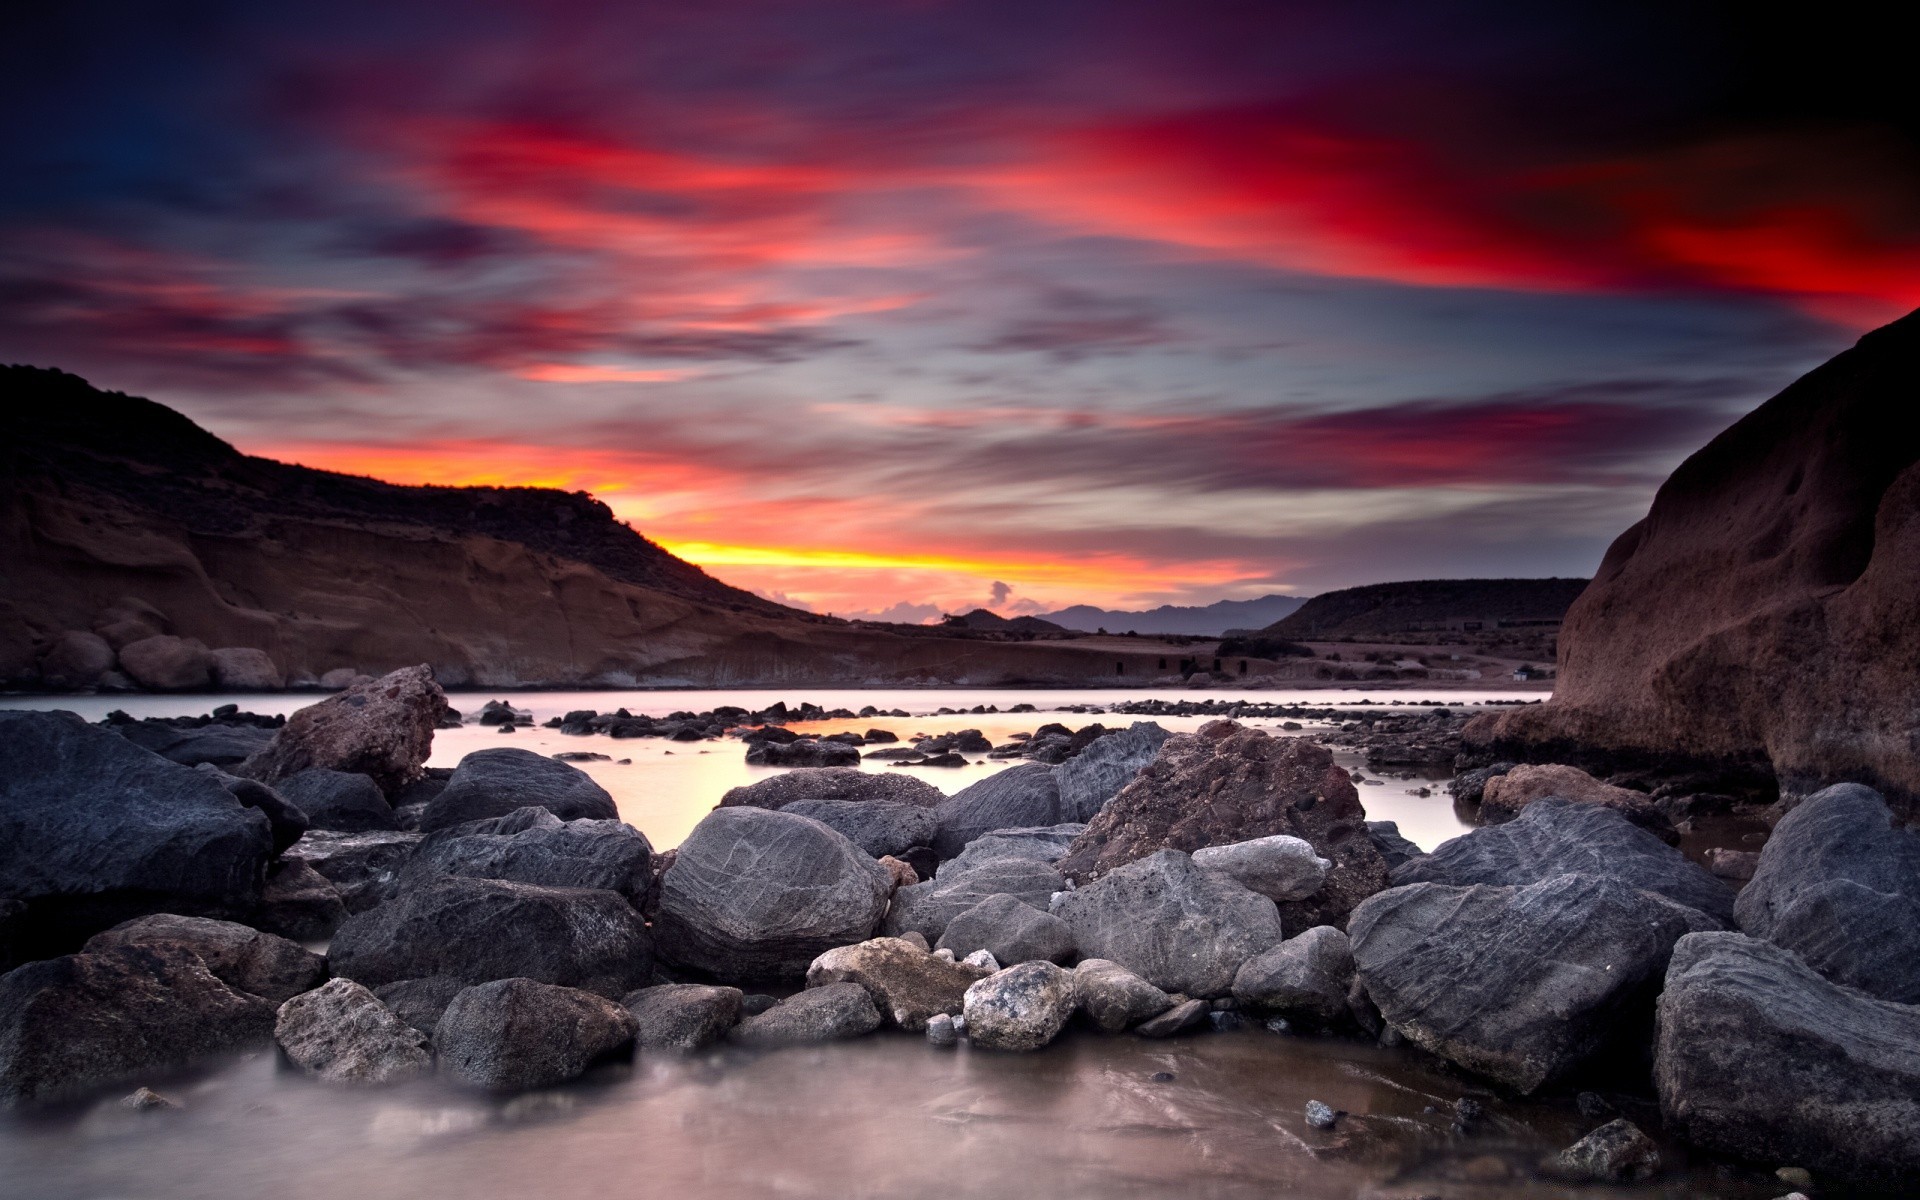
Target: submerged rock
x: 514, y: 1034
x: 501, y: 780
x: 1021, y: 1008
x: 239, y: 956
x: 803, y: 753
x: 1617, y: 1152
x: 342, y: 1033
x: 382, y: 728
x: 829, y: 1013
x: 682, y: 1017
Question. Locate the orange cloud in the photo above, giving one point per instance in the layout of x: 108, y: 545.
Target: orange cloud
x: 572, y: 373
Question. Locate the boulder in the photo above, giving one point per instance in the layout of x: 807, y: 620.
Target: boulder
x: 1562, y: 837
x: 759, y: 894
x: 299, y: 904
x: 244, y: 669
x: 1392, y: 846
x: 828, y: 1013
x: 1504, y: 796
x: 1021, y: 1008
x: 1178, y: 927
x: 219, y: 743
x: 833, y: 783
x: 502, y: 780
x: 926, y: 908
x: 909, y: 986
x: 1228, y: 784
x: 1839, y: 885
x: 1095, y: 775
x: 168, y: 664
x: 1022, y: 796
x: 1305, y: 978
x: 1042, y: 843
x: 804, y: 753
x: 515, y: 1034
x: 365, y: 867
x: 478, y: 930
x: 342, y: 1033
x: 74, y: 661
x: 534, y: 846
x: 1520, y: 984
x: 241, y: 957
x: 1759, y: 1057
x: 1617, y: 1152
x: 288, y: 821
x: 342, y: 801
x: 420, y: 1002
x: 1787, y: 549
x: 1183, y: 1016
x: 381, y: 728
x: 876, y: 826
x: 1009, y: 929
x: 682, y: 1017
x: 1114, y: 998
x: 94, y: 830
x: 81, y: 1021
x: 1280, y: 867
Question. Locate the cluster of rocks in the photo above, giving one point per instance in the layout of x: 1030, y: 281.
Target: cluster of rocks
x: 132, y: 646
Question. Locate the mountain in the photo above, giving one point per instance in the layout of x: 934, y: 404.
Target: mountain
x: 1414, y: 606
x: 1210, y: 620
x: 981, y: 618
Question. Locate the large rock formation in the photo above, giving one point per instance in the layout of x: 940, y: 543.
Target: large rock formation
x: 243, y: 958
x: 534, y: 846
x: 515, y: 1033
x: 382, y: 728
x: 1763, y: 620
x: 1229, y: 784
x: 503, y: 779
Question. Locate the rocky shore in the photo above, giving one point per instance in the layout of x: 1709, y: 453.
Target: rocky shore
x: 499, y: 926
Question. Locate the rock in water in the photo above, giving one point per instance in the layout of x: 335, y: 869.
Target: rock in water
x: 876, y: 826
x: 682, y: 1017
x: 1563, y: 837
x: 420, y: 1002
x: 94, y: 830
x: 908, y: 985
x: 1757, y: 1056
x: 1010, y: 930
x: 1393, y: 847
x: 828, y: 1013
x: 804, y: 753
x: 241, y: 957
x: 1178, y: 927
x: 1786, y: 549
x: 74, y: 1023
x: 1094, y: 776
x: 1281, y: 867
x: 168, y: 664
x: 479, y: 930
x: 532, y: 845
x: 1018, y: 797
x: 1840, y: 886
x: 1227, y: 784
x: 1186, y: 1015
x: 1021, y: 1008
x: 342, y: 1033
x: 514, y: 1034
x: 338, y: 800
x: 849, y: 784
x: 1113, y: 997
x: 1518, y: 984
x: 1505, y: 796
x: 757, y: 894
x: 500, y: 781
x: 1305, y: 977
x: 1617, y: 1152
x: 382, y: 728
x: 926, y: 908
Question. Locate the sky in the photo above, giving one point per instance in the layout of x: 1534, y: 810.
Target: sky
x: 899, y: 307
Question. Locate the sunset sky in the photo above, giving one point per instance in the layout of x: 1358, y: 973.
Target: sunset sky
x: 902, y: 307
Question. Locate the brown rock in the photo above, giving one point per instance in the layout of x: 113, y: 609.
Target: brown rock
x: 1228, y: 784
x: 383, y: 728
x: 168, y: 664
x: 1760, y: 623
x: 902, y: 872
x: 908, y: 985
x: 1505, y: 795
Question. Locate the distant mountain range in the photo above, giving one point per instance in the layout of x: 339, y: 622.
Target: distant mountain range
x: 1207, y: 621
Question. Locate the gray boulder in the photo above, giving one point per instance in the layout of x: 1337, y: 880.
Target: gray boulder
x: 420, y: 1002
x: 1178, y: 927
x: 804, y: 753
x: 218, y: 744
x: 909, y: 986
x: 1759, y: 1057
x: 1183, y: 1016
x: 1018, y: 797
x: 365, y: 867
x: 338, y: 800
x: 381, y: 727
x: 241, y: 957
x: 501, y: 780
x: 1306, y: 977
x: 94, y: 830
x: 926, y: 908
x: 532, y: 845
x: 479, y: 930
x: 1095, y: 775
x: 1552, y: 836
x: 71, y: 1024
x: 1392, y: 846
x: 758, y: 894
x: 514, y: 1034
x: 1021, y: 1008
x: 682, y: 1017
x: 299, y: 904
x: 1280, y: 867
x: 1042, y: 843
x: 879, y: 827
x: 1839, y: 885
x: 850, y: 784
x: 829, y: 1013
x: 342, y: 1033
x: 1010, y: 929
x: 1114, y: 998
x: 1519, y: 984
x: 288, y: 821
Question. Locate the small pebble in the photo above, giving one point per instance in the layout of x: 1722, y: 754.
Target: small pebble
x: 1321, y: 1116
x: 940, y: 1030
x: 944, y: 954
x: 916, y: 938
x: 1279, y: 1025
x: 983, y: 959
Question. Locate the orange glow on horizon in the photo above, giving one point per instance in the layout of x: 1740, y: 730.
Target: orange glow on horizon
x: 587, y: 373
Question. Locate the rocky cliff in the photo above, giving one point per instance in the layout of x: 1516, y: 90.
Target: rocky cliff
x: 1763, y: 622
x: 1382, y: 610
